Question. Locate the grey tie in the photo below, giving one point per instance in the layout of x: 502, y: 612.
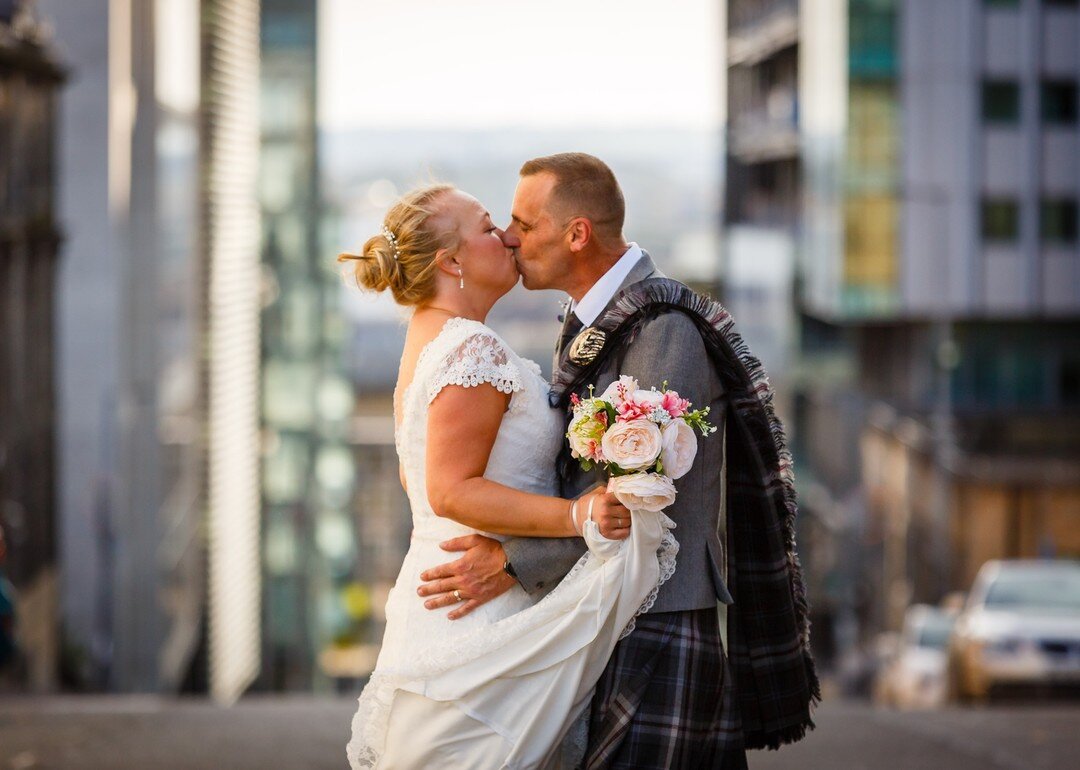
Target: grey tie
x: 570, y: 330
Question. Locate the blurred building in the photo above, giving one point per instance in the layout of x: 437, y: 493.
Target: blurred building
x: 158, y: 361
x: 309, y: 545
x: 762, y: 207
x: 940, y: 148
x: 30, y: 236
x: 808, y: 362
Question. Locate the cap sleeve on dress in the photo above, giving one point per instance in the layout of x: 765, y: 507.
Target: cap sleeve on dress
x: 481, y: 358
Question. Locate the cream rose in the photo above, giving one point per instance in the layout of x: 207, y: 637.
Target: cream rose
x: 643, y: 491
x: 632, y: 445
x: 679, y: 448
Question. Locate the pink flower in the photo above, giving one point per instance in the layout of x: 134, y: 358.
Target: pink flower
x: 632, y: 410
x: 674, y: 405
x: 618, y: 390
x: 575, y: 399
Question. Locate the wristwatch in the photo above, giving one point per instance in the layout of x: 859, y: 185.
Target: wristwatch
x: 508, y: 568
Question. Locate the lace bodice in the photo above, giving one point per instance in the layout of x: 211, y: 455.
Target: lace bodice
x: 468, y: 353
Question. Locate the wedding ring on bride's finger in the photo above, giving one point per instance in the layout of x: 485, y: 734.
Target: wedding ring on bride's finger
x: 458, y: 596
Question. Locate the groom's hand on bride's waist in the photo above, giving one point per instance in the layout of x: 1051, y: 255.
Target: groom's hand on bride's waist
x: 477, y: 577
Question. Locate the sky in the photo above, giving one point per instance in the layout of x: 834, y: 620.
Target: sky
x: 520, y: 63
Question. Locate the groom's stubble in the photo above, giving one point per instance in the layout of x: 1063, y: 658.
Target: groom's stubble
x: 546, y: 256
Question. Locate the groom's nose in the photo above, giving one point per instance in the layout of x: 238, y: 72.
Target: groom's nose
x: 510, y: 241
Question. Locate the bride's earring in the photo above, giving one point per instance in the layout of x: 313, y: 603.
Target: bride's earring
x: 461, y: 279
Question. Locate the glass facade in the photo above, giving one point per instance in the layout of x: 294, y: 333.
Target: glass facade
x: 308, y: 544
x: 871, y: 168
x: 1004, y: 366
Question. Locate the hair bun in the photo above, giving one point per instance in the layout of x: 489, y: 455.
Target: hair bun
x: 402, y: 257
x: 376, y: 268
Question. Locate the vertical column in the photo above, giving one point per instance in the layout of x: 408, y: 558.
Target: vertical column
x: 1074, y: 299
x: 969, y: 279
x: 1031, y: 128
x: 139, y: 617
x: 231, y: 338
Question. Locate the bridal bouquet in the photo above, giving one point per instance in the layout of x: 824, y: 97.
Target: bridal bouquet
x: 644, y: 439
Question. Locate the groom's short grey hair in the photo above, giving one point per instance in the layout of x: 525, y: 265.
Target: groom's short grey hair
x: 584, y: 187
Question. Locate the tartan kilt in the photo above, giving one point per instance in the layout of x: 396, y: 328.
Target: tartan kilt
x: 667, y: 699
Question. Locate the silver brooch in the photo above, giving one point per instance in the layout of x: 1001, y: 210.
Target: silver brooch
x: 587, y: 345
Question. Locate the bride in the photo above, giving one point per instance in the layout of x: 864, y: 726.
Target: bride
x: 507, y: 684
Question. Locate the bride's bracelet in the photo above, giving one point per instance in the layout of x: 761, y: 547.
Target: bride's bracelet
x: 573, y: 516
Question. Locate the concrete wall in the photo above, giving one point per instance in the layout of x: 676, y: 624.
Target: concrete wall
x: 953, y: 159
x: 88, y: 319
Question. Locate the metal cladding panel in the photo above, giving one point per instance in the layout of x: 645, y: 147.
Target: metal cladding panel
x: 231, y: 146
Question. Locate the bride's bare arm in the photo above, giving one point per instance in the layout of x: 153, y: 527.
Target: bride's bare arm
x: 462, y: 426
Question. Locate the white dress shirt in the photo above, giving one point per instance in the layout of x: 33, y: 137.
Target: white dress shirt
x: 597, y: 298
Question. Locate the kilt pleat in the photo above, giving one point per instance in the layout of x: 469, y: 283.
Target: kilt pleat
x: 666, y: 699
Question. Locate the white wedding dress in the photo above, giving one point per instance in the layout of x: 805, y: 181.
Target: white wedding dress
x: 502, y: 686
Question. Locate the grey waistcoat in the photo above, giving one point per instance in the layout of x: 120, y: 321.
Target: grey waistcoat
x: 668, y: 348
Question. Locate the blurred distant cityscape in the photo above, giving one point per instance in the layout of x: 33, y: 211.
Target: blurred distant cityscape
x: 198, y: 480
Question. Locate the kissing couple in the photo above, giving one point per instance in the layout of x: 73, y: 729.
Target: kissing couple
x: 574, y: 631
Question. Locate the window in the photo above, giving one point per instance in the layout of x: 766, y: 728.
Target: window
x: 1069, y: 380
x: 872, y: 38
x: 1000, y: 101
x: 1057, y: 220
x: 1000, y: 220
x: 1058, y: 99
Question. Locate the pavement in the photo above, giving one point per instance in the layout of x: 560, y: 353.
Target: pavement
x: 302, y: 733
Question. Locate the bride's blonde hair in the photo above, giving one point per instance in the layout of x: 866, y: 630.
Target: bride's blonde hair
x: 402, y: 257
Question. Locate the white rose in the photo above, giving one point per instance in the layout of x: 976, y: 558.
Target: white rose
x: 632, y: 445
x: 643, y: 491
x: 650, y: 397
x: 611, y: 394
x: 679, y: 448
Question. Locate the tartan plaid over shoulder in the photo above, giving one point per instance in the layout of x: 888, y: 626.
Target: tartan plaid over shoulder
x: 768, y: 626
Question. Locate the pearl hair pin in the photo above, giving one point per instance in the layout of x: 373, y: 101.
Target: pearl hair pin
x: 388, y: 234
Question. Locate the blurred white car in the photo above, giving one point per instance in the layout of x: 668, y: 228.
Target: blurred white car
x: 1019, y: 627
x: 914, y: 676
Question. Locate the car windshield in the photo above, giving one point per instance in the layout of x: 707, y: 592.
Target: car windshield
x: 934, y: 632
x: 1052, y: 589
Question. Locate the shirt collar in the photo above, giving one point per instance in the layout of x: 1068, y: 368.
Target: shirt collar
x: 598, y: 297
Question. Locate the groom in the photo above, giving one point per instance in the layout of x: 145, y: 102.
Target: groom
x: 671, y: 696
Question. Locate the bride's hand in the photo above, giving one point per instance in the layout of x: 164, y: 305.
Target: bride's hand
x: 611, y: 516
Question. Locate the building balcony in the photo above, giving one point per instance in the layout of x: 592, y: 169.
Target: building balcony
x: 758, y: 141
x: 756, y: 34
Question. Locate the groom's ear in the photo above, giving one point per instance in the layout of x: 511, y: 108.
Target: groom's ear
x: 580, y: 233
